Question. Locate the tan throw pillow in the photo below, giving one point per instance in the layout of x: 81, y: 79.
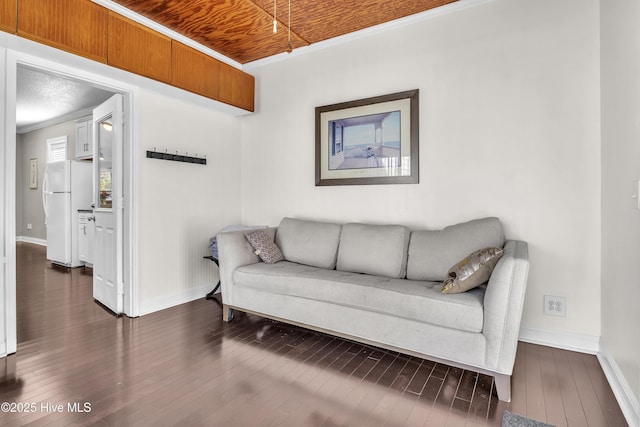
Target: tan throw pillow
x: 265, y: 247
x: 472, y: 271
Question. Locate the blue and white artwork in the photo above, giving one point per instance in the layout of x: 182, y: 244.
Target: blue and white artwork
x: 365, y: 142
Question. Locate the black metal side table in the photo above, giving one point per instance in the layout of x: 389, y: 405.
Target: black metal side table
x: 212, y: 293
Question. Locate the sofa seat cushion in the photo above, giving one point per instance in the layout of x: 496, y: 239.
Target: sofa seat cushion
x: 415, y: 300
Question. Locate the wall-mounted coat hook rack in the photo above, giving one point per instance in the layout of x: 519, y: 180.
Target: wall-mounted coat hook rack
x: 177, y: 157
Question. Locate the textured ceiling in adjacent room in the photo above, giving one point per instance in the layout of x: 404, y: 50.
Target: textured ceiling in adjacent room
x: 42, y: 97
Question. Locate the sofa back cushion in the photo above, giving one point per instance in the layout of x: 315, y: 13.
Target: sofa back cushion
x: 309, y: 242
x: 374, y: 249
x: 433, y: 253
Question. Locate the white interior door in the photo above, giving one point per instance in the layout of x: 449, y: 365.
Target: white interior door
x: 108, y: 274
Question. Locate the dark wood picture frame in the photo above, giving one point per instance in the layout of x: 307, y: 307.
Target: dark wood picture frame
x: 341, y: 163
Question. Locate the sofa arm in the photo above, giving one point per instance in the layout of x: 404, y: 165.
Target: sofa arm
x: 503, y: 302
x: 235, y: 251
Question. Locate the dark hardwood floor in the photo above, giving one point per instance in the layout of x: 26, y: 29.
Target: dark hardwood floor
x: 184, y: 366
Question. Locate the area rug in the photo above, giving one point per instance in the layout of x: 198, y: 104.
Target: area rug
x: 509, y: 419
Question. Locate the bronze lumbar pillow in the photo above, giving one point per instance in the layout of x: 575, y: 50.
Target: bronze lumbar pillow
x: 472, y: 271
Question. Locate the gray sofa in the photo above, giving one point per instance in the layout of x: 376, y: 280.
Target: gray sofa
x: 381, y: 285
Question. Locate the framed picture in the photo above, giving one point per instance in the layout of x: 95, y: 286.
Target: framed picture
x: 369, y: 141
x: 33, y: 174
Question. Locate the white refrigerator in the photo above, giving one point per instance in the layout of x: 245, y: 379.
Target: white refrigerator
x: 67, y: 187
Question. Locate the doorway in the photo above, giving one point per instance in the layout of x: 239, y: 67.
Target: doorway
x: 14, y: 62
x: 52, y: 113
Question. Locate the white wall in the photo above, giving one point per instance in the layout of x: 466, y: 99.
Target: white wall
x: 509, y: 126
x: 183, y: 205
x: 620, y: 44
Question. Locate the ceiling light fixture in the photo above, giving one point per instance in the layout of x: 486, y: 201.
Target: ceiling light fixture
x: 289, y: 47
x: 275, y: 22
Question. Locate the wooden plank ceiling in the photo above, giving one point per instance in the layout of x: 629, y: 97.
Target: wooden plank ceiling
x: 243, y: 29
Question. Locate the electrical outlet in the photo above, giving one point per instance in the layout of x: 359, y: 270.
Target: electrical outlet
x: 555, y: 306
x: 29, y: 226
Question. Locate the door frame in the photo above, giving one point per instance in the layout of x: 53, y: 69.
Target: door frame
x: 9, y: 61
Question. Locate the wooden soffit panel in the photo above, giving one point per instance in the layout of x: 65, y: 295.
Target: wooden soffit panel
x: 236, y: 87
x: 77, y: 26
x: 194, y: 71
x: 8, y: 15
x: 243, y: 29
x: 136, y: 48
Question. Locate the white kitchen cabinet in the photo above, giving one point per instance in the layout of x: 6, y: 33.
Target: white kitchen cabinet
x: 86, y: 232
x: 84, y: 139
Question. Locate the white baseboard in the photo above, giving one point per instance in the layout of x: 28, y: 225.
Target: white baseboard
x: 567, y: 341
x: 624, y: 395
x: 169, y: 300
x: 27, y: 239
